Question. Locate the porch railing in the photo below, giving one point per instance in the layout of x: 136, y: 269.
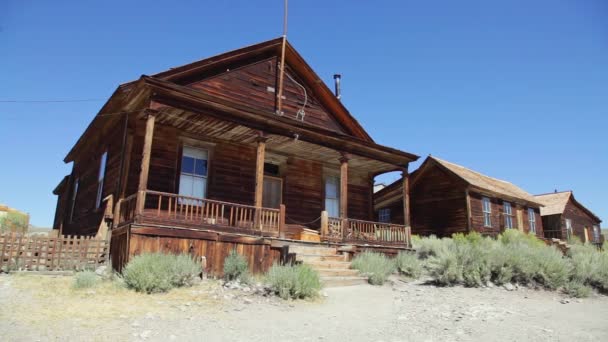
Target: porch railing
x: 193, y: 210
x: 352, y: 230
x: 126, y: 210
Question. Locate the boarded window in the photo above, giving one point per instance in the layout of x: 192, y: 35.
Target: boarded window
x: 100, y: 179
x: 193, y: 175
x: 532, y: 220
x: 332, y: 196
x: 508, y: 213
x: 487, y: 212
x: 384, y: 215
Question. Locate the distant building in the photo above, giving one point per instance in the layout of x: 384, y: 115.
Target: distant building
x: 447, y: 198
x: 563, y: 217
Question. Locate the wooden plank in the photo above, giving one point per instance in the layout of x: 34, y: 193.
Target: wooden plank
x: 259, y: 170
x: 185, y: 233
x: 468, y: 199
x: 406, y: 197
x: 145, y: 163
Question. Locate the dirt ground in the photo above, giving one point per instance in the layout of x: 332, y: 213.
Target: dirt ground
x: 45, y: 308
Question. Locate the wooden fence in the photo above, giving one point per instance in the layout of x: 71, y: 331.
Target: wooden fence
x: 36, y: 253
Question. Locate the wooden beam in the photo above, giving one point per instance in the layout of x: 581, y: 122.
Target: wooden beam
x: 145, y: 164
x: 259, y: 170
x: 406, y: 197
x: 344, y: 186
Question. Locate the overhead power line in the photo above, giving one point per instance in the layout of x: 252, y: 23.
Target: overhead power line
x: 50, y: 101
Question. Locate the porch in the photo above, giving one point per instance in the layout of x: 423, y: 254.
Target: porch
x: 163, y: 209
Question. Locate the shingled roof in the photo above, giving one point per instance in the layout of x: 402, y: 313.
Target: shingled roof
x: 555, y: 203
x: 496, y: 187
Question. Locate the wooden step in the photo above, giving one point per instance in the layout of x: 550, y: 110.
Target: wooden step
x: 337, y: 272
x: 337, y: 265
x: 312, y: 250
x: 343, y: 281
x: 315, y: 258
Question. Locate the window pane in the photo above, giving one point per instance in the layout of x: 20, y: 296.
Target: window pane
x: 102, y: 165
x: 187, y: 164
x: 185, y: 185
x: 332, y: 207
x: 331, y: 187
x: 199, y: 186
x: 195, y: 153
x: 200, y: 167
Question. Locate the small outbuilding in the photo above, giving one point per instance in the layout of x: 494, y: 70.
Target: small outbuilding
x: 563, y: 217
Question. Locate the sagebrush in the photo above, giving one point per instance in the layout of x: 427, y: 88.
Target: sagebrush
x: 236, y: 267
x: 158, y: 272
x: 375, y: 266
x: 293, y: 282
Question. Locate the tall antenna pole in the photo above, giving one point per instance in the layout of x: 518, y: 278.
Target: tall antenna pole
x: 282, y: 68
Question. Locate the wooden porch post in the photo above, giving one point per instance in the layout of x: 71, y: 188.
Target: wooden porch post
x: 468, y: 199
x: 406, y: 197
x: 145, y: 165
x: 259, y: 176
x: 344, y: 193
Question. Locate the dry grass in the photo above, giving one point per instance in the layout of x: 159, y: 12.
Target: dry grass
x: 39, y: 299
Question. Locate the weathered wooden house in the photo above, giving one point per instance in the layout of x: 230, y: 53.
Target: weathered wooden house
x: 447, y: 198
x: 563, y: 217
x: 216, y: 155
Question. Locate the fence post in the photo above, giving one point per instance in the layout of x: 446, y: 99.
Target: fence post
x: 344, y: 223
x: 282, y: 221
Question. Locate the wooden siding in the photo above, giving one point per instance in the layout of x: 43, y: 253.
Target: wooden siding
x: 215, y: 247
x: 580, y: 221
x: 303, y: 191
x: 498, y: 218
x: 250, y: 84
x: 396, y: 214
x: 87, y: 217
x: 438, y: 204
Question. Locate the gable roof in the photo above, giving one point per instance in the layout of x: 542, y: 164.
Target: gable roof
x: 292, y: 58
x: 129, y: 96
x: 481, y: 182
x: 555, y: 203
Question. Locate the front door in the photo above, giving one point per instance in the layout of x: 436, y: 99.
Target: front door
x: 273, y: 192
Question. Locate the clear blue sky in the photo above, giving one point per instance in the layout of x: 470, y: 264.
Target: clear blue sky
x: 515, y: 89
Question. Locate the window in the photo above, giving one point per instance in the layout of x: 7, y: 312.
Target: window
x: 100, y: 178
x: 487, y: 212
x: 332, y: 196
x: 532, y: 220
x: 272, y: 193
x: 73, y: 201
x: 568, y: 228
x: 596, y: 233
x: 193, y: 175
x: 384, y: 215
x: 508, y: 212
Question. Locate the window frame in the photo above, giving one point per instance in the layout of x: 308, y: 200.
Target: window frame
x: 384, y: 215
x: 101, y: 176
x: 596, y: 233
x: 532, y: 220
x: 508, y: 214
x: 337, y: 198
x: 181, y: 173
x: 487, y: 214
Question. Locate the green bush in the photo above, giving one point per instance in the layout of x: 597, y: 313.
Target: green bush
x: 375, y: 266
x: 295, y: 282
x: 85, y: 280
x: 589, y: 266
x: 236, y: 267
x: 409, y: 265
x: 158, y: 272
x: 427, y: 247
x: 577, y: 289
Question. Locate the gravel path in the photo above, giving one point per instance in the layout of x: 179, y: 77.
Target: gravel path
x: 394, y: 312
